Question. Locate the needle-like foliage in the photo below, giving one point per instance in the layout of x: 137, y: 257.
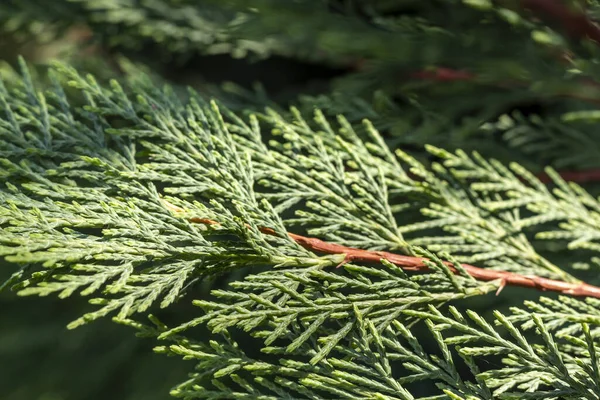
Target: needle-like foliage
x: 132, y: 194
x: 358, y: 247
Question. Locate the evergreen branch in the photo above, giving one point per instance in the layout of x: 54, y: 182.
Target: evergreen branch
x: 360, y: 365
x: 514, y: 189
x: 569, y: 377
x: 410, y: 263
x: 351, y: 341
x: 135, y: 194
x: 568, y: 141
x: 130, y: 231
x: 341, y: 327
x: 563, y: 315
x: 442, y: 74
x: 448, y: 204
x: 345, y: 181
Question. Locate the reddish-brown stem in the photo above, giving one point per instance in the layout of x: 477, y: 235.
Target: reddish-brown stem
x: 442, y: 74
x: 589, y: 175
x: 410, y: 263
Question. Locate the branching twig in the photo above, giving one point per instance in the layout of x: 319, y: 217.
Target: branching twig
x: 410, y: 263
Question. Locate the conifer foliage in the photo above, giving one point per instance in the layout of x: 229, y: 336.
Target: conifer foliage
x: 355, y: 246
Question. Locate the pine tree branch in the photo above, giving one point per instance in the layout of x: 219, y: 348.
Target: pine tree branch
x: 420, y: 264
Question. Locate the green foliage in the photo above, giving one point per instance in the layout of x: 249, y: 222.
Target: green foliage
x: 379, y: 46
x: 109, y: 218
x: 139, y: 195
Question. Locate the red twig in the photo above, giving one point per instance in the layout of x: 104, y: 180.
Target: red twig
x: 442, y: 74
x: 409, y: 263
